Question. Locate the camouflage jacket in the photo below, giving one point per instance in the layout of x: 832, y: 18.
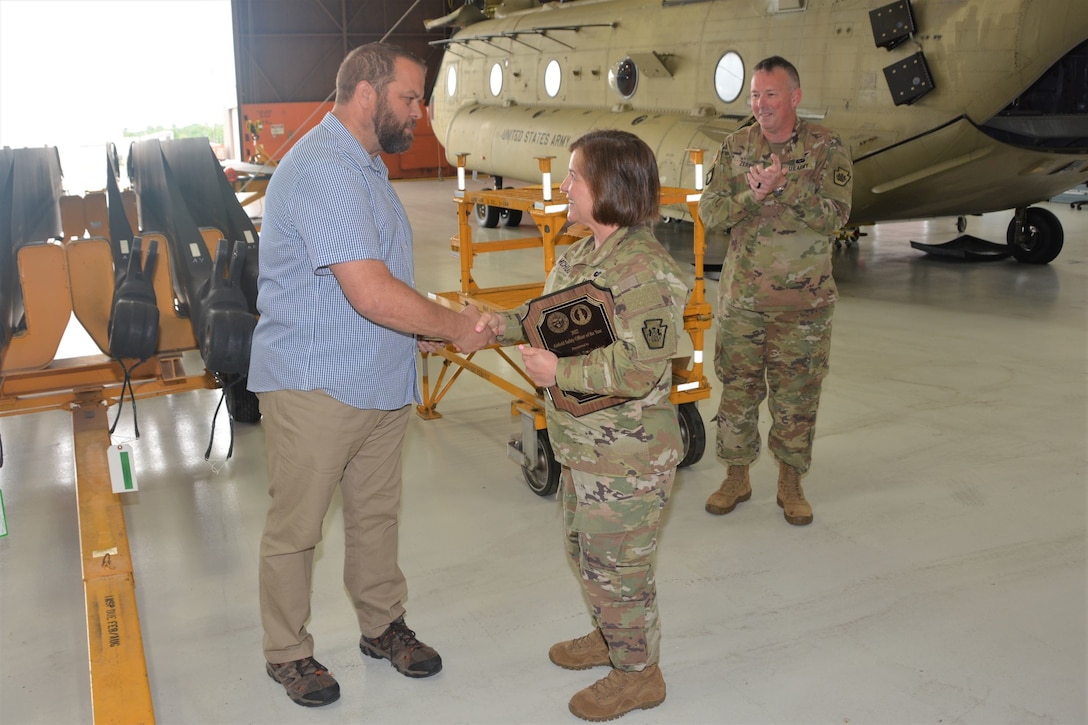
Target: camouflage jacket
x: 641, y: 435
x: 779, y: 251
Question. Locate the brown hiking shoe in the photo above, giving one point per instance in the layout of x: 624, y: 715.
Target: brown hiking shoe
x: 399, y: 645
x: 581, y: 653
x: 307, y: 681
x: 734, y: 489
x: 791, y: 497
x: 620, y: 693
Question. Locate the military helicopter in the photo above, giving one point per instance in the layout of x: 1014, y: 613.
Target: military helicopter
x: 949, y: 107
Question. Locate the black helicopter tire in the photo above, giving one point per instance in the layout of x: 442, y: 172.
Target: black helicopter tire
x: 1043, y: 239
x: 692, y: 433
x: 511, y: 217
x: 543, y: 477
x: 487, y: 216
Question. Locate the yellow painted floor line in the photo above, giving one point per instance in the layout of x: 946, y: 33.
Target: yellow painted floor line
x: 120, y: 692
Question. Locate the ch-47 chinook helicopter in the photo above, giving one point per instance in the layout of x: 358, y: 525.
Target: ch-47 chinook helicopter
x: 949, y: 107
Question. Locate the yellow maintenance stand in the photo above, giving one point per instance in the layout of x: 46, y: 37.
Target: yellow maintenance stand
x: 546, y: 205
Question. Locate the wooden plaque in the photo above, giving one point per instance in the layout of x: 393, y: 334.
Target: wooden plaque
x: 571, y: 322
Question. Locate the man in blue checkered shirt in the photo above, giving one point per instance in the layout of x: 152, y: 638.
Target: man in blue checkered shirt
x: 333, y: 364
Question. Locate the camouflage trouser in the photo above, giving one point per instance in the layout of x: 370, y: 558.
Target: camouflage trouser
x: 613, y: 545
x: 785, y: 353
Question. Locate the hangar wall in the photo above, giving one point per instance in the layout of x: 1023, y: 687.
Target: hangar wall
x: 286, y: 57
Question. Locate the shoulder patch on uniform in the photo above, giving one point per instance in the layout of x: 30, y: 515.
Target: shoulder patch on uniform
x: 653, y: 331
x: 842, y: 176
x: 646, y: 297
x: 627, y: 282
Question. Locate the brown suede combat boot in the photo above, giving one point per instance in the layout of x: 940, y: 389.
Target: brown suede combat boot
x: 581, y: 653
x: 734, y: 489
x: 791, y: 497
x: 620, y: 693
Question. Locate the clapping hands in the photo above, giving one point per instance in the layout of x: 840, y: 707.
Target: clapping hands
x: 762, y: 180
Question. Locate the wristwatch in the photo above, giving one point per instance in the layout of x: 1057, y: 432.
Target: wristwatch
x: 779, y: 191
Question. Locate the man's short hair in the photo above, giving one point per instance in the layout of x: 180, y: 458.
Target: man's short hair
x: 776, y: 61
x: 375, y: 63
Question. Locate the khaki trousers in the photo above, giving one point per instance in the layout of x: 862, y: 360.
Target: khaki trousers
x: 316, y: 443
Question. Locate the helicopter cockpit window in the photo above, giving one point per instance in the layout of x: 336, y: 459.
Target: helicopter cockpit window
x: 729, y: 77
x: 553, y: 78
x: 623, y: 76
x: 496, y: 79
x: 451, y: 81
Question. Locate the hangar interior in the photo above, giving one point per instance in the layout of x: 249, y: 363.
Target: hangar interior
x: 942, y: 580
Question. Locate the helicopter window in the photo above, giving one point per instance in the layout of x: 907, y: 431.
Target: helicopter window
x: 624, y: 77
x: 496, y: 79
x: 729, y: 77
x: 553, y: 78
x: 451, y: 81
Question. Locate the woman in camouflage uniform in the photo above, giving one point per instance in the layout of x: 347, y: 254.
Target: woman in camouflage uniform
x: 618, y: 463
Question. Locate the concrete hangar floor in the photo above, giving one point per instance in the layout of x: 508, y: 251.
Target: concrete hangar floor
x: 943, y: 579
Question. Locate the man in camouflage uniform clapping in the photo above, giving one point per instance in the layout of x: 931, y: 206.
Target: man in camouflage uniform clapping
x: 780, y: 188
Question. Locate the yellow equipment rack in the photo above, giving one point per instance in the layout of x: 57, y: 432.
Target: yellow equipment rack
x: 77, y: 276
x: 547, y: 207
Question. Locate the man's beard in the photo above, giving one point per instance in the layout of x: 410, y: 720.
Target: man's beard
x: 394, y: 137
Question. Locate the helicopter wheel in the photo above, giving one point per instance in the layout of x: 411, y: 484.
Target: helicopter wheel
x: 1036, y: 236
x: 488, y: 216
x: 510, y: 217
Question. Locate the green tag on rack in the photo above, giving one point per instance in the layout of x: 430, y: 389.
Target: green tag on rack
x: 122, y: 468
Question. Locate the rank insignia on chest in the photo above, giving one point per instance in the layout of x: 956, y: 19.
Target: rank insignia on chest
x: 653, y: 331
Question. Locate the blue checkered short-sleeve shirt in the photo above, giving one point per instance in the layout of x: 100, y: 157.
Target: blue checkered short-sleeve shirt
x: 328, y: 202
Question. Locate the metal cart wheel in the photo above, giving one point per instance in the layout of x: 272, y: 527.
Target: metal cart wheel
x: 543, y: 477
x: 692, y: 432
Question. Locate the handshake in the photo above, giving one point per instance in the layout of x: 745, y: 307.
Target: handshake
x: 475, y: 329
x: 483, y: 329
